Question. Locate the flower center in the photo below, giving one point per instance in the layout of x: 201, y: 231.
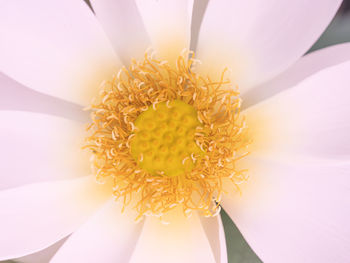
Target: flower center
x: 164, y: 141
x: 168, y: 137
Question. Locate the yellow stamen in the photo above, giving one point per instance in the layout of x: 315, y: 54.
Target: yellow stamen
x: 167, y: 136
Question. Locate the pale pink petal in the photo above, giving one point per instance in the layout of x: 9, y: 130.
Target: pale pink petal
x: 199, y: 7
x: 35, y: 216
x: 168, y: 24
x: 311, y: 120
x: 259, y: 39
x: 294, y: 212
x: 216, y: 236
x: 56, y: 47
x: 123, y: 24
x: 43, y: 256
x: 109, y: 236
x: 15, y: 96
x: 303, y: 68
x: 37, y: 147
x: 183, y: 240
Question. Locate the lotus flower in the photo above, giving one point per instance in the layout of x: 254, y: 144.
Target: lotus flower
x: 170, y: 139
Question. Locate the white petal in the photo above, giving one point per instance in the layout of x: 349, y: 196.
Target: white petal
x: 37, y: 147
x: 216, y: 236
x: 294, y: 212
x: 43, y: 256
x: 311, y: 120
x: 123, y: 24
x: 55, y: 47
x: 183, y: 240
x: 259, y: 39
x: 168, y: 24
x: 199, y: 7
x: 109, y: 236
x: 303, y: 68
x: 35, y: 216
x: 15, y: 96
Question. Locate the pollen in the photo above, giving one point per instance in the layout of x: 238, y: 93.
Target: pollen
x: 168, y: 137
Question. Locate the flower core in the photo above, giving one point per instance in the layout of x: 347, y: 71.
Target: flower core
x: 168, y: 137
x: 164, y: 141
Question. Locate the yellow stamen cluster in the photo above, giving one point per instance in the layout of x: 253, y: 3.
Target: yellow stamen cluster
x: 220, y: 135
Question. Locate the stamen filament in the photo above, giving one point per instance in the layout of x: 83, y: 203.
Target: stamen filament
x: 221, y: 136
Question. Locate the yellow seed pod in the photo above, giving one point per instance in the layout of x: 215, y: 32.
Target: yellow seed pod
x: 168, y: 129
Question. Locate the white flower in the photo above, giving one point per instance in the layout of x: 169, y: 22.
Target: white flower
x: 295, y: 207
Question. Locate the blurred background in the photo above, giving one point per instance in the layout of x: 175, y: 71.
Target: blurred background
x: 238, y: 250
